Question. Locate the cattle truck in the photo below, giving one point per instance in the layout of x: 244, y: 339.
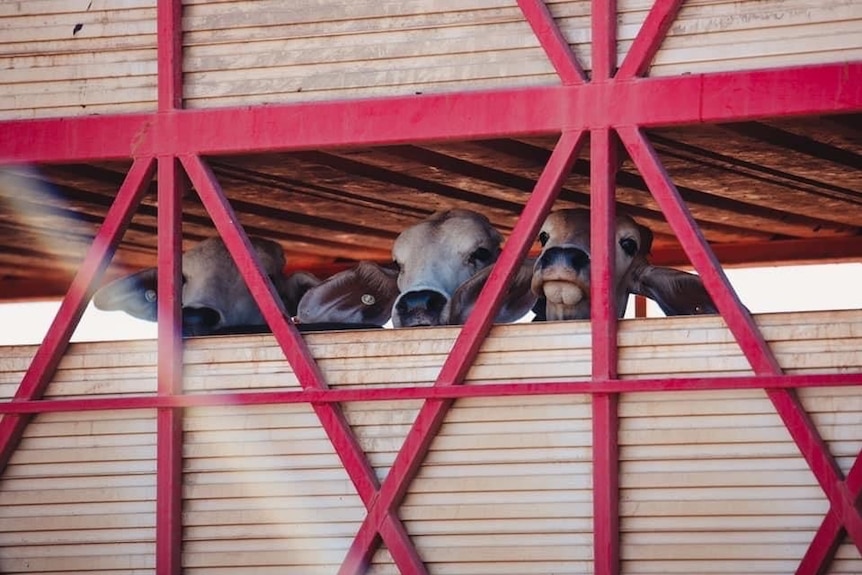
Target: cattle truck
x: 724, y: 443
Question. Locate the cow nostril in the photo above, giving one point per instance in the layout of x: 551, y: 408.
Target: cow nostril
x: 200, y: 317
x: 574, y: 258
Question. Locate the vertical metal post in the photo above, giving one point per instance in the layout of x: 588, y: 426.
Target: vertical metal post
x: 170, y: 370
x: 603, y: 313
x: 604, y: 43
x: 169, y: 439
x: 603, y: 318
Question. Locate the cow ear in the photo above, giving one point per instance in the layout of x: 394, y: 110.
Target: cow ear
x: 363, y: 294
x: 517, y: 300
x: 675, y: 291
x: 293, y: 287
x: 134, y: 294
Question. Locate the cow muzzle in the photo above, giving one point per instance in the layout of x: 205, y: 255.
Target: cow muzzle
x: 562, y: 277
x: 200, y: 320
x: 419, y: 308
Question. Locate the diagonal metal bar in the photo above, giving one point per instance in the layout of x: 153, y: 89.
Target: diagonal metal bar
x: 464, y: 350
x: 98, y: 257
x: 698, y: 251
x: 742, y: 326
x: 296, y: 351
x: 553, y: 42
x: 828, y: 537
x: 603, y: 325
x: 169, y: 424
x: 604, y: 39
x: 652, y: 33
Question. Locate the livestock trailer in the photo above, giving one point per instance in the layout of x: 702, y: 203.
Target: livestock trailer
x: 711, y: 444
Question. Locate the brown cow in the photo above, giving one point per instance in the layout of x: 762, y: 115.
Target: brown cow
x: 561, y: 274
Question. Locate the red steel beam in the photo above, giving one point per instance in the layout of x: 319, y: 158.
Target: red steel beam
x: 98, y: 257
x: 652, y: 33
x: 169, y: 421
x: 699, y: 253
x: 298, y: 355
x: 603, y: 324
x: 553, y: 42
x: 466, y: 346
x: 476, y: 389
x: 169, y: 14
x: 604, y: 39
x: 697, y: 98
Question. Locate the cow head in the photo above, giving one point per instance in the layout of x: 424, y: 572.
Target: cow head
x: 561, y: 275
x: 442, y: 264
x: 214, y: 295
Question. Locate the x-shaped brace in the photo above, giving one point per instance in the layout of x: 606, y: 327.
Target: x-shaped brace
x: 382, y: 515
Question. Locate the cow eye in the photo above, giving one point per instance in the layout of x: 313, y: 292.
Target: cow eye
x: 481, y: 255
x: 543, y: 238
x: 629, y: 246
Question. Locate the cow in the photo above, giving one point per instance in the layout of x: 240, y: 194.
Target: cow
x: 443, y: 263
x: 440, y: 266
x: 215, y: 298
x: 561, y: 273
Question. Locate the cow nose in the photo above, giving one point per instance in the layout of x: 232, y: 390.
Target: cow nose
x: 199, y: 320
x: 574, y: 258
x: 424, y: 302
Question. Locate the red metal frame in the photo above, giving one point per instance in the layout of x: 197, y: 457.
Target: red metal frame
x: 169, y: 421
x: 45, y: 362
x: 623, y: 103
x: 606, y: 520
x: 666, y: 101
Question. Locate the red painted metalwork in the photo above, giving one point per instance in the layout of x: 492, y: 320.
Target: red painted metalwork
x: 603, y: 314
x: 169, y: 421
x: 626, y: 103
x: 435, y: 392
x: 702, y: 258
x: 649, y: 39
x: 169, y: 15
x: 604, y: 39
x: 829, y: 535
x: 466, y: 346
x: 296, y: 351
x: 822, y: 464
x: 666, y: 101
x: 739, y: 321
x: 45, y: 362
x: 552, y: 41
